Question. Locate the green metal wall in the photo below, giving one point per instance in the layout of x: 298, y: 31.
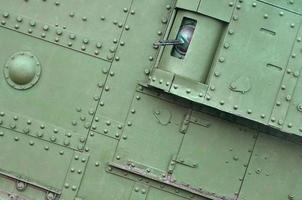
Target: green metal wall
x: 93, y: 125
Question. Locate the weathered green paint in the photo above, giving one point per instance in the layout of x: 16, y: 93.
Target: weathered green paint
x: 91, y: 109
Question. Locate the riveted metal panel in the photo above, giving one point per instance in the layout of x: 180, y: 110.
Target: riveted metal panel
x: 97, y: 183
x: 41, y: 130
x: 274, y: 171
x: 287, y: 105
x: 66, y: 94
x: 106, y: 18
x: 291, y: 5
x: 161, y: 79
x: 292, y: 122
x: 155, y: 194
x: 186, y: 88
x: 164, y: 183
x: 13, y: 188
x: 134, y: 56
x: 219, y: 9
x: 245, y: 65
x: 191, y: 5
x: 166, y: 117
x: 139, y: 192
x: 42, y: 163
x: 108, y: 127
x: 215, y: 148
x: 74, y: 175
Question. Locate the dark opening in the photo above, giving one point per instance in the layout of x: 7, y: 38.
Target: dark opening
x: 185, y: 35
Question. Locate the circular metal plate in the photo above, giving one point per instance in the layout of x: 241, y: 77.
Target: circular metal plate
x: 22, y: 70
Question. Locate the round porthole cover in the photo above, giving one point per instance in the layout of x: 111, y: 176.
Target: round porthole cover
x: 22, y: 70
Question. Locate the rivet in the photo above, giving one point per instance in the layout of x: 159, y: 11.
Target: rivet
x: 6, y: 15
x: 164, y: 21
x: 85, y: 41
x: 71, y: 14
x: 231, y: 32
x: 221, y: 59
x: 72, y: 36
x: 53, y: 138
x: 288, y: 98
x: 283, y: 87
x: 45, y: 28
x: 19, y: 19
x: 226, y: 45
